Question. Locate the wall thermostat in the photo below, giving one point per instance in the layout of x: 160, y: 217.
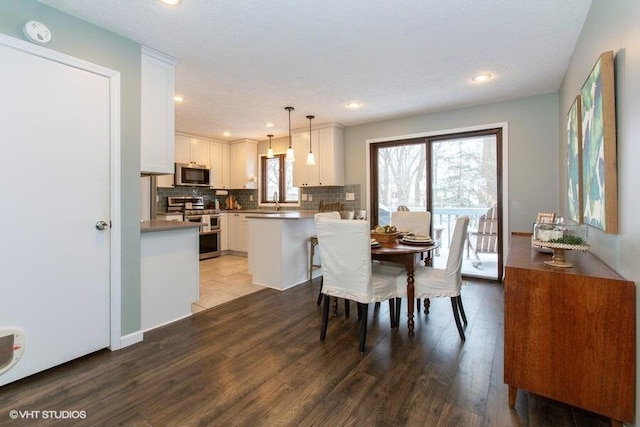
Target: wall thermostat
x: 37, y: 32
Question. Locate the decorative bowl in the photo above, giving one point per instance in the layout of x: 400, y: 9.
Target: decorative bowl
x: 384, y: 237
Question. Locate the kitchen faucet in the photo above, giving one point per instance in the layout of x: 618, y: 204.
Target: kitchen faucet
x: 275, y: 200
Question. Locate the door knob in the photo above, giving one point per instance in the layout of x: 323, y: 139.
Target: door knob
x: 102, y: 225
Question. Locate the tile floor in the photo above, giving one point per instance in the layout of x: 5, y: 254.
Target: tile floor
x: 223, y: 279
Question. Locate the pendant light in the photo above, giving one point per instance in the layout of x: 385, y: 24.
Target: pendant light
x: 310, y: 159
x: 290, y: 157
x: 270, y: 150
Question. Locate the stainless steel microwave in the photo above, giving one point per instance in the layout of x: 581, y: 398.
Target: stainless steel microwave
x: 192, y: 175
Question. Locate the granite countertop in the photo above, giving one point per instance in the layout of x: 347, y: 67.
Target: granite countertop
x: 163, y: 225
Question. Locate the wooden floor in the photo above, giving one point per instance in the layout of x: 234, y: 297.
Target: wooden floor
x: 258, y: 361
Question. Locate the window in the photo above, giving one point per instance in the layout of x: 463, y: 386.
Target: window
x: 277, y: 177
x: 448, y: 175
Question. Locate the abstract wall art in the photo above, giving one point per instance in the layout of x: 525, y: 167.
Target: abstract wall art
x: 599, y: 163
x: 574, y: 162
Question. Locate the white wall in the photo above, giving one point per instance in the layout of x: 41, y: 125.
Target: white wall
x: 613, y: 25
x: 532, y: 139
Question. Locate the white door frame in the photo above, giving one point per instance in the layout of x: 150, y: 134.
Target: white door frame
x: 114, y: 168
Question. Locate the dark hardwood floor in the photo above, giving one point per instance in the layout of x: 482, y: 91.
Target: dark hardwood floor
x: 258, y: 360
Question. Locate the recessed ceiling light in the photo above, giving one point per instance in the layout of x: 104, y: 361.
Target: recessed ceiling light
x: 354, y: 104
x: 178, y: 98
x: 269, y: 124
x: 481, y: 77
x: 227, y: 134
x: 171, y: 2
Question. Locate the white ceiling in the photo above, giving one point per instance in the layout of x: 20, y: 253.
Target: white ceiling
x: 243, y: 61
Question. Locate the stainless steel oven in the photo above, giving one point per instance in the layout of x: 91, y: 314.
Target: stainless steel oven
x: 209, y: 232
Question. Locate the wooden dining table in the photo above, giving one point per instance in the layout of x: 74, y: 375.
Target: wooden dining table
x: 405, y: 254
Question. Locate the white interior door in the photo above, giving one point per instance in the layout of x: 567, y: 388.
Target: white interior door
x: 54, y: 175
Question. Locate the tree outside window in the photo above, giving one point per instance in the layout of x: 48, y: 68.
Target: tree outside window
x: 277, y: 179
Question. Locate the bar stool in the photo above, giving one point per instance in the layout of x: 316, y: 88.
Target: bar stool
x: 313, y: 242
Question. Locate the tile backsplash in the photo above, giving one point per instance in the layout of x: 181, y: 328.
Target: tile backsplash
x: 326, y: 194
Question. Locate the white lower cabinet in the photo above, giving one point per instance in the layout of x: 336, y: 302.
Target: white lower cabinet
x: 243, y: 229
x: 224, y: 232
x: 169, y: 276
x: 238, y: 229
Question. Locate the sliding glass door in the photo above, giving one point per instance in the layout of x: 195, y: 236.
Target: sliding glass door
x: 449, y: 176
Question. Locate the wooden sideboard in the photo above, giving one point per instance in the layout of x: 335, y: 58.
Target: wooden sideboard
x: 569, y: 334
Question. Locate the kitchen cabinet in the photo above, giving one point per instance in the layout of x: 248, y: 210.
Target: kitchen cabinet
x: 277, y: 254
x: 244, y: 164
x: 169, y: 274
x: 238, y: 231
x: 188, y: 149
x: 192, y: 150
x: 219, y: 161
x: 157, y: 117
x: 224, y: 231
x: 569, y: 333
x: 327, y: 144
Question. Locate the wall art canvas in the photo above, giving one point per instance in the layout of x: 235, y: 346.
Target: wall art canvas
x: 599, y: 165
x: 574, y: 162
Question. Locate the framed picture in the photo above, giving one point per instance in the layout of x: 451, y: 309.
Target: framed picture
x: 574, y: 162
x: 545, y: 217
x: 599, y: 168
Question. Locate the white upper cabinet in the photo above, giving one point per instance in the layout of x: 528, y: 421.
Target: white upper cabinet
x: 327, y: 144
x: 219, y: 162
x: 192, y: 150
x: 243, y: 160
x: 157, y: 117
x: 187, y: 150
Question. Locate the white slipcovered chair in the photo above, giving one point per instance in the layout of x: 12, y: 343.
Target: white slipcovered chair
x: 321, y: 216
x: 347, y: 271
x: 333, y: 209
x: 414, y: 222
x: 434, y: 283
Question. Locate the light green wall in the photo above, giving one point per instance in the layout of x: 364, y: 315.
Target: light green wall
x: 94, y: 44
x: 532, y: 149
x: 613, y: 25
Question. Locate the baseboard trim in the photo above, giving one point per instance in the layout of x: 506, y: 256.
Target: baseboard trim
x: 130, y: 339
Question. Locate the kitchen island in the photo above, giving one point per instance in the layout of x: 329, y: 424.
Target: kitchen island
x: 278, y: 248
x: 169, y: 271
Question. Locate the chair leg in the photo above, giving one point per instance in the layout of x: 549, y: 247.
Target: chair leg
x: 311, y: 250
x: 363, y: 309
x: 418, y: 305
x: 456, y: 316
x: 427, y: 304
x: 320, y: 291
x: 334, y: 304
x: 347, y: 308
x: 398, y: 308
x: 392, y: 313
x: 325, y: 317
x: 461, y: 309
